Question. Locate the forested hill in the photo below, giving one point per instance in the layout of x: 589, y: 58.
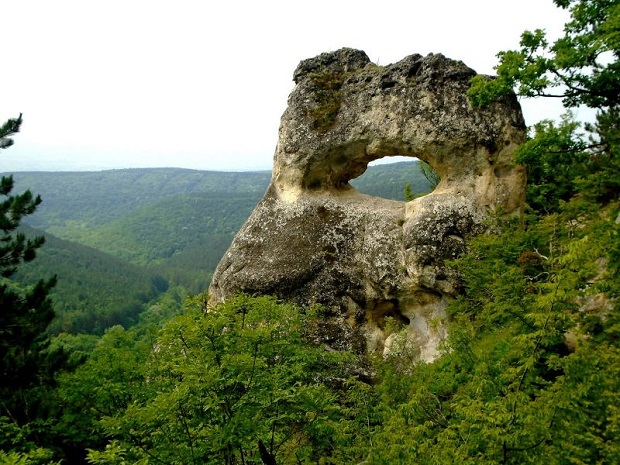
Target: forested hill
x: 94, y: 290
x: 95, y: 198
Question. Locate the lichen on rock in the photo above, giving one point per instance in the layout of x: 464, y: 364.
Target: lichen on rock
x: 315, y: 239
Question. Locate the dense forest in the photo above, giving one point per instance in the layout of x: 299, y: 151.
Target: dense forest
x: 529, y: 373
x: 94, y: 291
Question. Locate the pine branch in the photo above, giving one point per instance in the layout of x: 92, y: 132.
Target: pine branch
x: 9, y: 128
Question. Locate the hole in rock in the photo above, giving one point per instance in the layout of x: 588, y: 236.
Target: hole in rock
x: 397, y: 178
x: 387, y: 316
x: 394, y: 318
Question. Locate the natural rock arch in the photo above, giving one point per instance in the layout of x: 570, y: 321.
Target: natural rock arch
x: 313, y: 238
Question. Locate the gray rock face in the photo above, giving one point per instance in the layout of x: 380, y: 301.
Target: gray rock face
x: 315, y: 239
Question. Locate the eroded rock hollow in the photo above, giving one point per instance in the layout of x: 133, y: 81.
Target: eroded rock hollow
x: 315, y: 239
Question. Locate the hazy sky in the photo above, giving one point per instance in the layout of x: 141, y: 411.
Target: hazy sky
x: 202, y: 83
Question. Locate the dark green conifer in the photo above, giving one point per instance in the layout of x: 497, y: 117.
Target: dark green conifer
x: 24, y: 313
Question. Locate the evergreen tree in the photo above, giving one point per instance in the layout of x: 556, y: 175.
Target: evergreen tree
x: 24, y: 313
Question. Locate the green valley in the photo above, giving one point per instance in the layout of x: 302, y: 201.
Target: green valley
x: 94, y: 290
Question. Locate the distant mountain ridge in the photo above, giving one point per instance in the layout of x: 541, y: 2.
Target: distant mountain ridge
x: 102, y: 196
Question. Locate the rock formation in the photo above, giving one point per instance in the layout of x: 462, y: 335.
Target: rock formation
x: 315, y: 239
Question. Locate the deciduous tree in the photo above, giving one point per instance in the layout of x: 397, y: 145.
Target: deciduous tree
x: 237, y: 383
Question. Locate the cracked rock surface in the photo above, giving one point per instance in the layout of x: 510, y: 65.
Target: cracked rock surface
x: 315, y: 239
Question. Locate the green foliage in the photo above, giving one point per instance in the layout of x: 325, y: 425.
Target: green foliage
x: 105, y: 375
x: 555, y: 157
x: 431, y: 177
x: 531, y: 370
x: 20, y: 450
x: 14, y: 248
x: 26, y: 363
x: 601, y: 181
x: 106, y: 384
x: 240, y: 382
x: 95, y: 290
x: 25, y: 313
x: 8, y: 129
x: 576, y: 67
x: 561, y: 163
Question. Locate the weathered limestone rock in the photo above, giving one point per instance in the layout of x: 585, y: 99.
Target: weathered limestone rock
x: 314, y: 238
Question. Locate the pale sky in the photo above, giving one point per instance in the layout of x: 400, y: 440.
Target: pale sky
x: 202, y: 84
